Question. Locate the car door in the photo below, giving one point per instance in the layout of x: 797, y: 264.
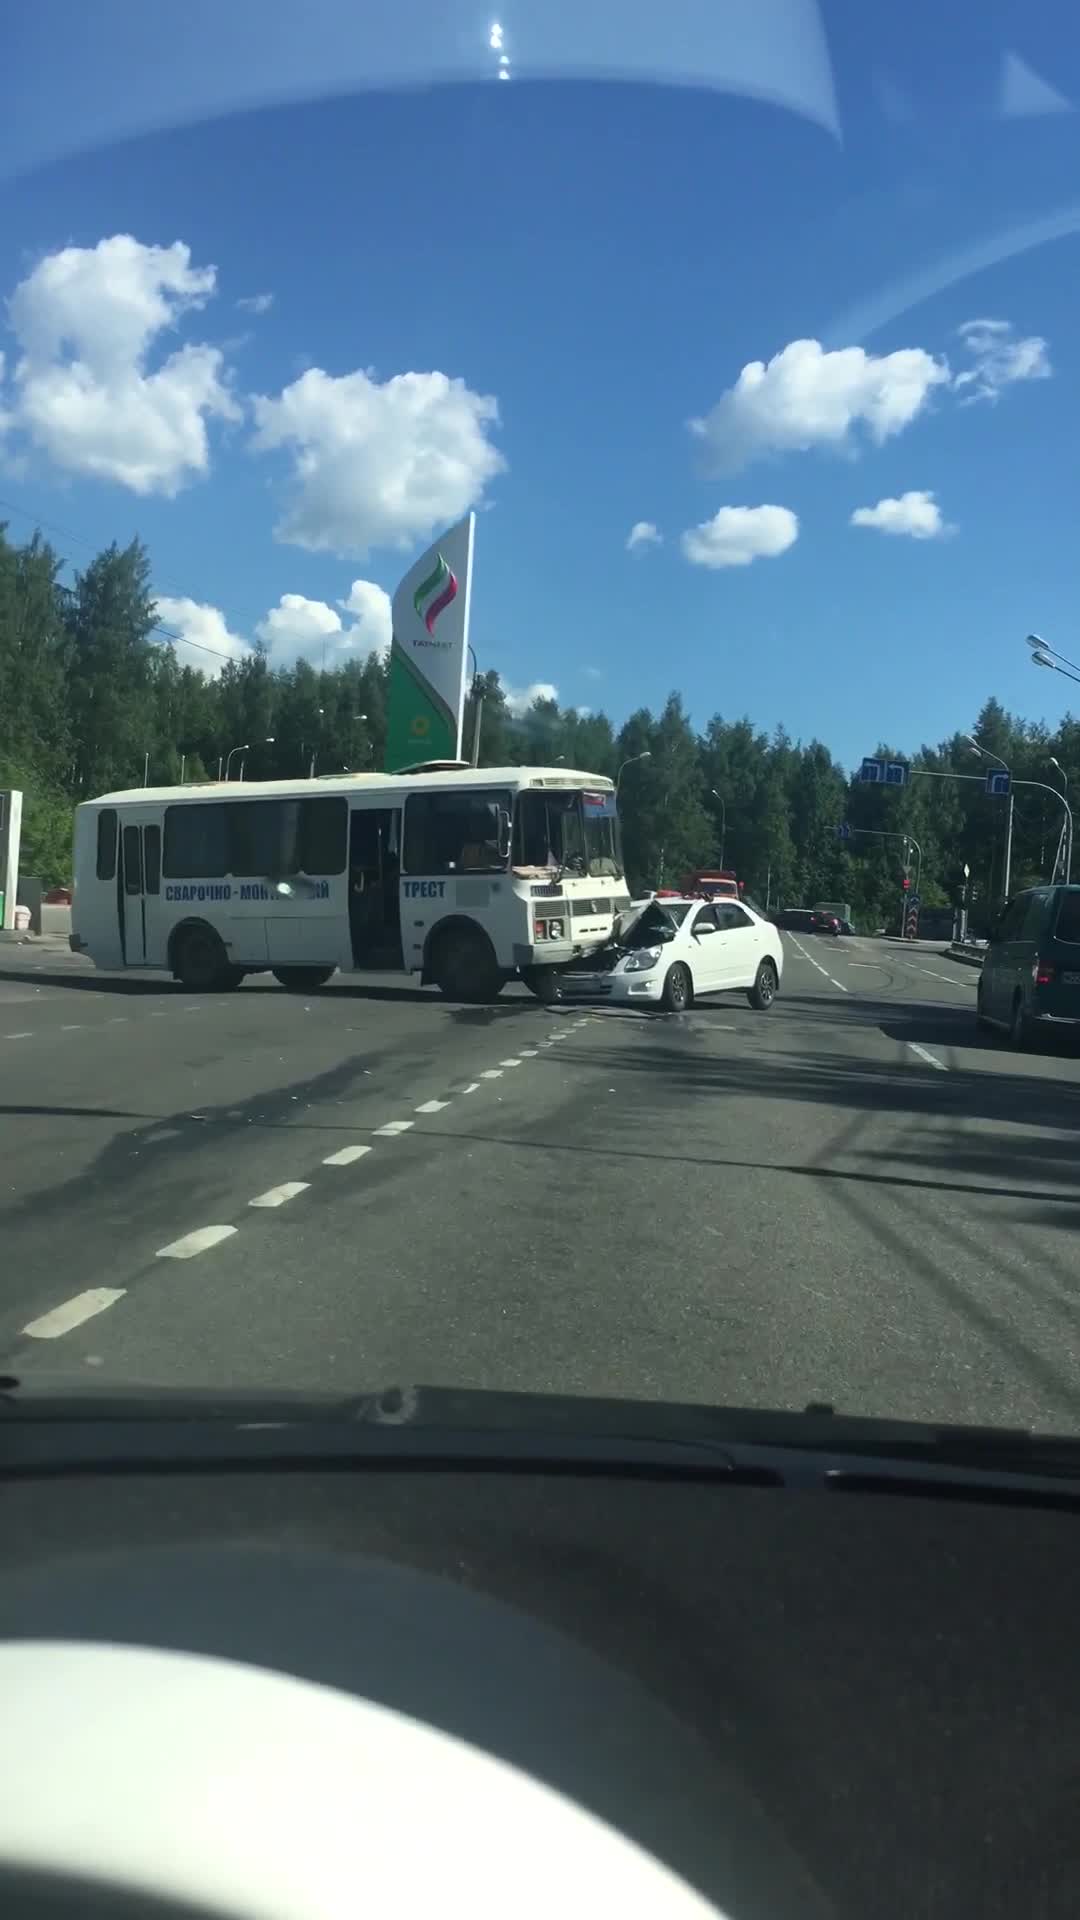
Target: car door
x: 1001, y: 966
x: 738, y: 945
x: 704, y: 957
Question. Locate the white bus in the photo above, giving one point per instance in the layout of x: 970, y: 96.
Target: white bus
x: 464, y: 876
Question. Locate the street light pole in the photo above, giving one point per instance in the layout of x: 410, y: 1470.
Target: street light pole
x: 647, y: 755
x: 985, y: 754
x: 246, y: 748
x: 723, y: 821
x: 1069, y: 839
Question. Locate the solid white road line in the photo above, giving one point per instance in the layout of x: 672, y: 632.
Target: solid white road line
x: 73, y: 1312
x: 930, y: 1058
x: 345, y: 1156
x: 192, y: 1243
x: 433, y: 1106
x: 392, y: 1128
x: 277, y: 1196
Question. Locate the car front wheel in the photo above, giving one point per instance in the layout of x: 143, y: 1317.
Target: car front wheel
x: 764, y: 990
x: 678, y: 989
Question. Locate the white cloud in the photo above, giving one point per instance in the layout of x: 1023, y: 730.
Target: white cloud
x: 999, y: 359
x: 205, y: 641
x: 737, y: 535
x: 87, y: 320
x: 302, y: 629
x: 593, y: 673
x: 378, y: 464
x: 915, y: 514
x: 520, y: 699
x: 808, y: 397
x: 643, y: 534
x: 373, y: 630
x: 256, y: 303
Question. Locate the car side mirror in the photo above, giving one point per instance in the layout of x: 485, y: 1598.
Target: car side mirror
x: 699, y: 932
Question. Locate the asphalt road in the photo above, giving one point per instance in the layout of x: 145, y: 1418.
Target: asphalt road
x: 853, y: 1198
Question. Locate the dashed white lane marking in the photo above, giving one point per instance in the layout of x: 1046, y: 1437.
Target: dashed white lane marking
x: 158, y: 1013
x: 509, y: 1063
x: 192, y: 1243
x: 529, y: 1053
x: 433, y: 1106
x: 160, y: 1133
x: 73, y: 1312
x: 18, y: 1036
x: 930, y: 1058
x: 393, y: 1127
x: 816, y: 963
x: 73, y: 1027
x: 345, y: 1156
x: 473, y: 1087
x: 277, y: 1196
x: 493, y: 1073
x: 117, y: 1020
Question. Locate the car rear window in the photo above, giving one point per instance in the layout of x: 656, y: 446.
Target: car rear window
x: 1068, y: 920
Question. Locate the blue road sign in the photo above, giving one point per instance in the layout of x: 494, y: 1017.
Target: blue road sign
x: 873, y: 772
x: 843, y: 831
x: 896, y: 773
x: 998, y: 783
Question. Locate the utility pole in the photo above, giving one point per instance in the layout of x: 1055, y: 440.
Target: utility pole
x: 1008, y: 842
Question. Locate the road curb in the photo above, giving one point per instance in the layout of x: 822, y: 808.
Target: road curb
x: 967, y: 956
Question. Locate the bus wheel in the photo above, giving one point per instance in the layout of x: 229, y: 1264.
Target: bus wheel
x: 302, y: 979
x: 200, y: 962
x: 463, y: 966
x: 544, y: 983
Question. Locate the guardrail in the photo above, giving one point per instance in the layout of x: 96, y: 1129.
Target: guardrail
x: 972, y: 952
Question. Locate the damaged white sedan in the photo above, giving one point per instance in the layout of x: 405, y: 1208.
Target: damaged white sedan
x: 667, y: 951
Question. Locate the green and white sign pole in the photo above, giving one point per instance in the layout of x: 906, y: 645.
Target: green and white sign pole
x: 429, y: 652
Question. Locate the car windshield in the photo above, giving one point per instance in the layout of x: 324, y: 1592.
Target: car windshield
x: 468, y: 478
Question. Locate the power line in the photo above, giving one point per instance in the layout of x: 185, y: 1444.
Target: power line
x: 55, y: 526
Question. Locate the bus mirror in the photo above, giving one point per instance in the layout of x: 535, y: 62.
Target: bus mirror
x: 504, y: 834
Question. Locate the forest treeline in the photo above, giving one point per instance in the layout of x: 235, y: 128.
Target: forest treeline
x: 92, y: 692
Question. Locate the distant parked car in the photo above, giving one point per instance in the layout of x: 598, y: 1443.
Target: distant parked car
x: 825, y: 923
x: 795, y: 919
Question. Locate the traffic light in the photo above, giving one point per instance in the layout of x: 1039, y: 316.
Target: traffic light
x: 906, y: 882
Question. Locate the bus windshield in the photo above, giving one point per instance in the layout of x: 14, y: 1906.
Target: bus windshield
x: 567, y: 829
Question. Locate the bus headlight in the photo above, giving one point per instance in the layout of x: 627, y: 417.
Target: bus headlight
x: 549, y: 929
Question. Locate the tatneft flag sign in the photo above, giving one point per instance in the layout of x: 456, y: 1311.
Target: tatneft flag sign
x: 429, y: 651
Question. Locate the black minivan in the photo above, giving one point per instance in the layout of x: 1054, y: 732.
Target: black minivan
x: 1031, y: 975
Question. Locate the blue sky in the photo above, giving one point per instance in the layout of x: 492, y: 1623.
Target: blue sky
x: 573, y: 270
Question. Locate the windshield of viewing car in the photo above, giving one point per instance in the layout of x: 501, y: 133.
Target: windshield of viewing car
x: 398, y: 408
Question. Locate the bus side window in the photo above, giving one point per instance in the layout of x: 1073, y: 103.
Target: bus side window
x: 106, y: 844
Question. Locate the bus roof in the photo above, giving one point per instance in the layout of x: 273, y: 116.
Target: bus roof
x: 352, y: 783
